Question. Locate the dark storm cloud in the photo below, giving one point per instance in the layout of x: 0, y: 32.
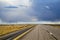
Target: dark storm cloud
x: 47, y: 10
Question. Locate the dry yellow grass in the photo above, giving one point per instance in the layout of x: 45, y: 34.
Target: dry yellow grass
x: 5, y: 29
x: 55, y: 25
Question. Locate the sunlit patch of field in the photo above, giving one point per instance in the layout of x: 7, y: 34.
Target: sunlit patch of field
x: 5, y: 29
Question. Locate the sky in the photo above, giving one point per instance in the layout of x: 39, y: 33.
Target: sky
x: 13, y: 11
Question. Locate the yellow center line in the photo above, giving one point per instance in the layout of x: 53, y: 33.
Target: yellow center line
x: 18, y: 37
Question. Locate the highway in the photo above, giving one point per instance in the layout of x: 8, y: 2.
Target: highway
x: 43, y: 32
x: 39, y: 32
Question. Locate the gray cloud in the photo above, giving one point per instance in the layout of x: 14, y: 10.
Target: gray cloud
x: 40, y: 10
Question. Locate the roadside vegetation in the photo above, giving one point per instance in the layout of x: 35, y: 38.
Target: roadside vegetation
x: 54, y: 25
x: 8, y: 28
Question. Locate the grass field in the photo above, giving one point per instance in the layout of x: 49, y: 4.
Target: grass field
x: 57, y: 26
x: 5, y: 29
x: 54, y: 25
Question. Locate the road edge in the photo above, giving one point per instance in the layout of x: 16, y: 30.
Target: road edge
x: 21, y: 35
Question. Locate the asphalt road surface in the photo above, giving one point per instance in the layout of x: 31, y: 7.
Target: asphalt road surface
x: 43, y: 32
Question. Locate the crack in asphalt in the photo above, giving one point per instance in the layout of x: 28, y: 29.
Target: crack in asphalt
x: 51, y: 34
